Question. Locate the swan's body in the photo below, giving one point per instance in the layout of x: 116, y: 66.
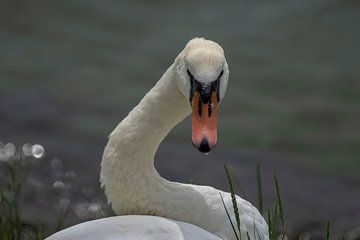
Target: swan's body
x: 147, y: 228
x: 132, y: 184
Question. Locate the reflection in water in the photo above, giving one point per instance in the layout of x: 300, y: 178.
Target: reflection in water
x: 38, y: 151
x: 70, y: 200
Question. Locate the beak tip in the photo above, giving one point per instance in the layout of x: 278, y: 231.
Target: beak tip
x: 204, y: 146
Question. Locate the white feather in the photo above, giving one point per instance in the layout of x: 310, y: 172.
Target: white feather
x: 122, y: 228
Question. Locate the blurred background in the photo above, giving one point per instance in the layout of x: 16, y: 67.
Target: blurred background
x: 71, y: 70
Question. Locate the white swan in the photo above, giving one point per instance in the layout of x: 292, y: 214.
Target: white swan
x: 195, y: 83
x: 134, y: 227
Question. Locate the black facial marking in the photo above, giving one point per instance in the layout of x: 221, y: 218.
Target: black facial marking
x: 217, y: 83
x: 193, y: 88
x: 200, y: 107
x: 209, y: 108
x: 189, y: 73
x: 205, y: 90
x: 218, y: 89
x: 222, y: 72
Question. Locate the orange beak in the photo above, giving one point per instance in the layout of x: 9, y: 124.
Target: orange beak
x: 204, y: 122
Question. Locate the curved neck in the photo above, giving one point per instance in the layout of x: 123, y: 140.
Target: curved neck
x: 128, y: 161
x: 151, y: 120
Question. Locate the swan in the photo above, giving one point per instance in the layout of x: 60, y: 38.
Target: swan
x: 194, y: 84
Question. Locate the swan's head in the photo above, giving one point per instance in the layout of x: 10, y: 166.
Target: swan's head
x: 202, y: 78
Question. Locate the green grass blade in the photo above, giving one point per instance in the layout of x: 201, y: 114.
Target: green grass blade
x: 274, y: 221
x: 233, y: 198
x: 259, y: 188
x: 228, y: 215
x: 278, y: 199
x: 269, y: 222
x: 328, y: 230
x: 284, y: 233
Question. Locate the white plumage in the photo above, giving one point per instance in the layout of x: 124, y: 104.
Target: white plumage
x: 132, y: 184
x: 134, y: 227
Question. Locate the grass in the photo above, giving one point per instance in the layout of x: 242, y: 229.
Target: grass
x: 14, y: 170
x: 274, y: 216
x: 20, y: 182
x: 12, y: 227
x: 328, y: 230
x: 10, y: 224
x: 259, y: 188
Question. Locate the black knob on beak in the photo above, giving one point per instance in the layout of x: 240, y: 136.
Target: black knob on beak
x: 204, y: 146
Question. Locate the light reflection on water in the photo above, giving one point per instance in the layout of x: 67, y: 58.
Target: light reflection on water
x: 27, y: 149
x: 59, y: 188
x: 38, y: 151
x: 8, y: 151
x: 56, y: 165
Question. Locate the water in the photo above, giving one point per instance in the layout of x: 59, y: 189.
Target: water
x: 70, y: 71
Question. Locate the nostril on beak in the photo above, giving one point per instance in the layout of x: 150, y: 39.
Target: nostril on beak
x: 204, y: 146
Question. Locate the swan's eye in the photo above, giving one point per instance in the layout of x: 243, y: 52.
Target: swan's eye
x: 189, y: 73
x: 222, y: 72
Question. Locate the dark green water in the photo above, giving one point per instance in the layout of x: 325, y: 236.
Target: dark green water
x: 71, y: 69
x: 294, y: 84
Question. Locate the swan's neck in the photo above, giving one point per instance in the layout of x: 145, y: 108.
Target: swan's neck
x: 128, y: 172
x: 132, y: 184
